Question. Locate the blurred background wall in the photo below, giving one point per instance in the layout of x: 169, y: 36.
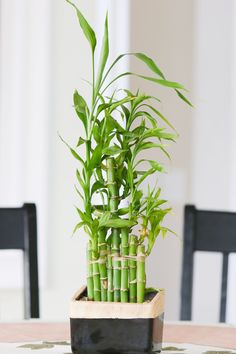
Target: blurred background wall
x: 43, y: 58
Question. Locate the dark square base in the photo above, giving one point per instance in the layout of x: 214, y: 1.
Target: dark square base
x: 116, y: 336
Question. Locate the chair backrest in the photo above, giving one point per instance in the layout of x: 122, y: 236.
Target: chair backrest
x: 18, y: 230
x: 213, y: 231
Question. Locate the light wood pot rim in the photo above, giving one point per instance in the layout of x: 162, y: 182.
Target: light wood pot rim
x: 97, y: 309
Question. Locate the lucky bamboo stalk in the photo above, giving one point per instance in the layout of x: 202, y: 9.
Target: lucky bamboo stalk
x: 132, y: 269
x: 141, y: 275
x: 116, y: 264
x: 90, y: 291
x: 96, y: 276
x: 124, y: 265
x: 110, y: 290
x: 102, y: 246
x: 113, y: 206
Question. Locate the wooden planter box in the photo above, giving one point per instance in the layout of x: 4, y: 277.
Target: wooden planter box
x: 116, y: 328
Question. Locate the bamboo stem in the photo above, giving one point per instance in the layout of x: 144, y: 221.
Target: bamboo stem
x: 102, y: 263
x: 124, y: 265
x: 113, y: 207
x: 132, y: 269
x: 116, y: 264
x: 90, y: 292
x: 141, y: 275
x: 96, y: 275
x: 110, y: 291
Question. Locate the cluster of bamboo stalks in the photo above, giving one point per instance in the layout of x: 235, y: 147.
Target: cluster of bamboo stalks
x: 114, y: 169
x: 117, y: 274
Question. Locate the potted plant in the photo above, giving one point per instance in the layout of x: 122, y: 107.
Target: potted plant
x: 115, y: 312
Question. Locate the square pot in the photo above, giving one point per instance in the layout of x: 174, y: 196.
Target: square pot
x: 116, y: 328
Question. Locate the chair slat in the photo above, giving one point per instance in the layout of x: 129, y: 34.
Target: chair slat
x: 224, y: 287
x: 205, y: 230
x: 18, y: 230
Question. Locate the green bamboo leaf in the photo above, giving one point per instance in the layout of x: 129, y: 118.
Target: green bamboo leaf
x: 146, y: 145
x: 158, y: 133
x: 84, y: 217
x: 161, y: 116
x: 162, y: 82
x: 156, y: 166
x: 123, y: 211
x: 81, y: 108
x: 113, y: 150
x: 87, y: 29
x: 126, y: 112
x: 81, y: 141
x: 118, y: 223
x: 145, y: 175
x: 104, y: 219
x: 96, y: 186
x: 73, y: 152
x: 80, y: 180
x: 77, y: 190
x: 77, y: 227
x: 150, y: 63
x: 112, y: 124
x: 147, y: 115
x: 184, y: 98
x: 103, y: 56
x: 138, y: 100
x: 96, y: 132
x: 96, y: 157
x: 113, y: 105
x: 141, y: 56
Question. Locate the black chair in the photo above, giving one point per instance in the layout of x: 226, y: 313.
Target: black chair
x: 18, y: 230
x: 212, y: 231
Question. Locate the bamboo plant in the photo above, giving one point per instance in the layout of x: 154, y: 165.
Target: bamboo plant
x: 117, y: 129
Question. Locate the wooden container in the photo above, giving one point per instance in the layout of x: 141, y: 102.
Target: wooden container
x: 116, y: 328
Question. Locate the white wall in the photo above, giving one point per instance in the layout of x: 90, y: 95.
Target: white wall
x: 213, y: 158
x: 166, y: 35
x: 24, y: 93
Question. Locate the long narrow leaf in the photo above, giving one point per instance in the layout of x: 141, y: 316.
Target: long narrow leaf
x: 184, y: 98
x: 103, y: 56
x: 150, y: 63
x: 87, y: 29
x: 162, y: 82
x: 73, y: 152
x: 81, y: 108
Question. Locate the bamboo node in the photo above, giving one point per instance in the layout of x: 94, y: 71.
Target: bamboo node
x: 133, y: 281
x: 102, y: 244
x: 103, y: 253
x: 110, y: 183
x: 114, y: 197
